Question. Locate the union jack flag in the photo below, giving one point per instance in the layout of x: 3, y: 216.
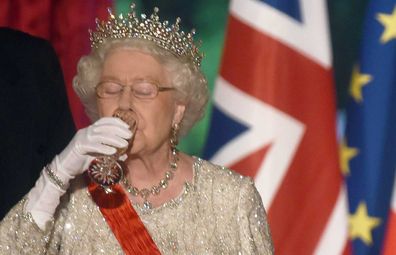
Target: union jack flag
x: 274, y: 119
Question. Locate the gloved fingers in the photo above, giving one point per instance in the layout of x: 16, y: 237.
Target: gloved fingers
x: 111, y: 121
x: 101, y: 149
x: 119, y: 131
x: 103, y: 137
x: 110, y: 140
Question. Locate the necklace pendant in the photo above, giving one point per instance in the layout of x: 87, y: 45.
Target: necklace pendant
x: 155, y: 190
x: 144, y: 193
x: 147, y: 205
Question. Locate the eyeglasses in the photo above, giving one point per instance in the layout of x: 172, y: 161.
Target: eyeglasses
x: 140, y: 89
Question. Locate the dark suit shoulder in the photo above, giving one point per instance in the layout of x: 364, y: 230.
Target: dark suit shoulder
x: 14, y: 39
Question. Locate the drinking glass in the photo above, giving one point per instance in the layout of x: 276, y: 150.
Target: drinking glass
x: 106, y: 170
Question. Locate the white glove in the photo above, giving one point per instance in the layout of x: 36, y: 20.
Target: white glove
x: 101, y: 137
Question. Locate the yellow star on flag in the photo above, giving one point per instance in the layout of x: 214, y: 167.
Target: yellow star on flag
x: 389, y: 23
x: 357, y: 82
x: 346, y: 154
x: 361, y: 224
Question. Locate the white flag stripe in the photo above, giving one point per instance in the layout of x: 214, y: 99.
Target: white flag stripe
x: 310, y: 37
x: 335, y: 236
x: 267, y: 126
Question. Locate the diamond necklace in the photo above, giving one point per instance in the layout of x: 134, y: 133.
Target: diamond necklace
x: 155, y: 190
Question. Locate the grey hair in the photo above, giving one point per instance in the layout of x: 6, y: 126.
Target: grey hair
x: 190, y: 83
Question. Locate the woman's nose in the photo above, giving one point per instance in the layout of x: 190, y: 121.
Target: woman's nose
x: 125, y: 101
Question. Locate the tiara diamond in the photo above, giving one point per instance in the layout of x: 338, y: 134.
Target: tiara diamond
x: 166, y: 36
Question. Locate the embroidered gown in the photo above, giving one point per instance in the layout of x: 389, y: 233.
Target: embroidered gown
x: 220, y: 212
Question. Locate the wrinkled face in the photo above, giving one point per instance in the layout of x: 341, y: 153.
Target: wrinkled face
x: 155, y: 116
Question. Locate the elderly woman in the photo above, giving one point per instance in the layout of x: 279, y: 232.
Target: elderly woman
x: 146, y: 73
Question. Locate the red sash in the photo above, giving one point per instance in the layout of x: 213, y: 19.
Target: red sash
x: 123, y: 220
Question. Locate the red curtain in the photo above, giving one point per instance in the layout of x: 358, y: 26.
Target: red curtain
x: 65, y: 24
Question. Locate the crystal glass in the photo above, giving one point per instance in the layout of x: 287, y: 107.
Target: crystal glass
x: 106, y: 170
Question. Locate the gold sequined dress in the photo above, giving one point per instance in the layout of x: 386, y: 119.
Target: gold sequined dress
x: 220, y: 212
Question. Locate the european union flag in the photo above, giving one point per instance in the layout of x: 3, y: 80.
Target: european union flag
x: 368, y: 152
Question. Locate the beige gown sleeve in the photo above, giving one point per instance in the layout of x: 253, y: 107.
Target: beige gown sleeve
x: 253, y: 222
x: 19, y: 234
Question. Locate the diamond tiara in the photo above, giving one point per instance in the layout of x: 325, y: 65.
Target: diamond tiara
x: 166, y: 36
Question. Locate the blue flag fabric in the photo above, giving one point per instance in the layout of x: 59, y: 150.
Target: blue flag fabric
x: 369, y: 147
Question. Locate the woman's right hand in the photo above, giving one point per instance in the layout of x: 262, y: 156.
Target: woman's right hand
x: 102, y: 137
